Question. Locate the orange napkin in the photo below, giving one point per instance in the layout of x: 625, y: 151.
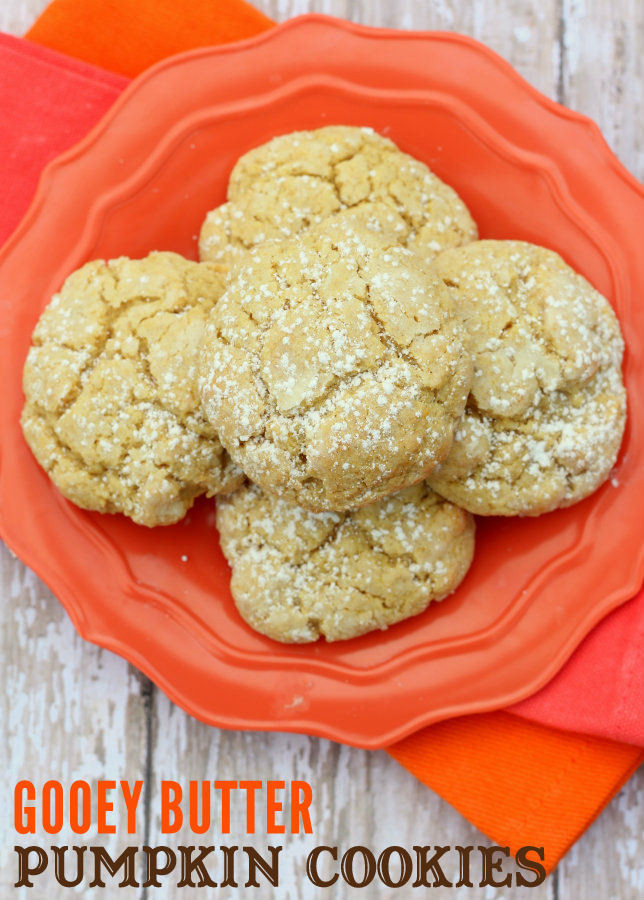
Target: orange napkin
x: 128, y: 36
x: 519, y: 782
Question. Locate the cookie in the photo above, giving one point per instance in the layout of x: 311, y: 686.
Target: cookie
x: 298, y: 575
x: 111, y: 407
x: 333, y: 368
x: 294, y: 181
x: 546, y: 415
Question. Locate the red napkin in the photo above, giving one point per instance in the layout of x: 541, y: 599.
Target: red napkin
x: 600, y: 691
x: 47, y: 103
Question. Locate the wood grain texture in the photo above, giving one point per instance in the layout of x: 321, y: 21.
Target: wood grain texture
x: 71, y: 710
x: 602, y: 71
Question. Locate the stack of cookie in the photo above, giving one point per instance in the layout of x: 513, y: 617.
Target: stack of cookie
x: 348, y: 366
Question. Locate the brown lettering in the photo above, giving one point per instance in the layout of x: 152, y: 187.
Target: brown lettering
x: 197, y: 865
x: 531, y: 865
x: 426, y: 864
x: 406, y: 866
x: 229, y: 866
x: 464, y: 854
x: 126, y: 860
x: 491, y: 865
x: 369, y: 866
x: 25, y: 869
x: 152, y: 867
x: 59, y: 865
x: 270, y: 870
x: 312, y: 866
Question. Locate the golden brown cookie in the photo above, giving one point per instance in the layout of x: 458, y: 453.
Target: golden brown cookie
x: 333, y: 368
x: 296, y: 180
x: 112, y: 411
x: 299, y: 575
x: 546, y: 415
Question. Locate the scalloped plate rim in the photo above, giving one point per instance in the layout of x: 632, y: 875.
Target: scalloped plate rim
x: 80, y: 619
x: 102, y: 203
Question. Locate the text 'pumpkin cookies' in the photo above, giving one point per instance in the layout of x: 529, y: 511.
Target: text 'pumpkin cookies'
x: 112, y: 412
x: 297, y: 180
x: 299, y: 575
x: 546, y: 415
x: 333, y: 368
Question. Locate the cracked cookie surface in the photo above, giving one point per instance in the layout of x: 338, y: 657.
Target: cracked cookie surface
x: 333, y: 368
x: 546, y: 415
x: 112, y: 410
x: 299, y: 575
x: 296, y: 180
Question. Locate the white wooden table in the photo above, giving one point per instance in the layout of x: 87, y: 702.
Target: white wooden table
x: 71, y: 710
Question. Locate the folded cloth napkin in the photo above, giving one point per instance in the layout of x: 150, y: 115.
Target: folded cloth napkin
x: 519, y: 781
x: 47, y: 103
x: 600, y: 690
x: 127, y: 36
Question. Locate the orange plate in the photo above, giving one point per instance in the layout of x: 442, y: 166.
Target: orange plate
x: 144, y: 179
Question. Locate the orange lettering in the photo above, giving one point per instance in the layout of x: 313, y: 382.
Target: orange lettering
x: 199, y: 827
x: 300, y: 807
x: 225, y: 787
x: 131, y: 802
x: 80, y: 822
x: 52, y: 823
x: 170, y: 803
x: 250, y: 787
x: 104, y: 806
x: 24, y: 817
x: 273, y: 806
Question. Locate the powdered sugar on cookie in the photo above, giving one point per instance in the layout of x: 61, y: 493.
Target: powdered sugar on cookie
x: 546, y: 415
x: 333, y: 368
x: 299, y: 575
x: 112, y: 412
x: 279, y: 189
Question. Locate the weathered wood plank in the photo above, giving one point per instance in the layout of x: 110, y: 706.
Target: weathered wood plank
x: 69, y: 710
x: 17, y: 15
x: 603, y: 71
x: 608, y: 862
